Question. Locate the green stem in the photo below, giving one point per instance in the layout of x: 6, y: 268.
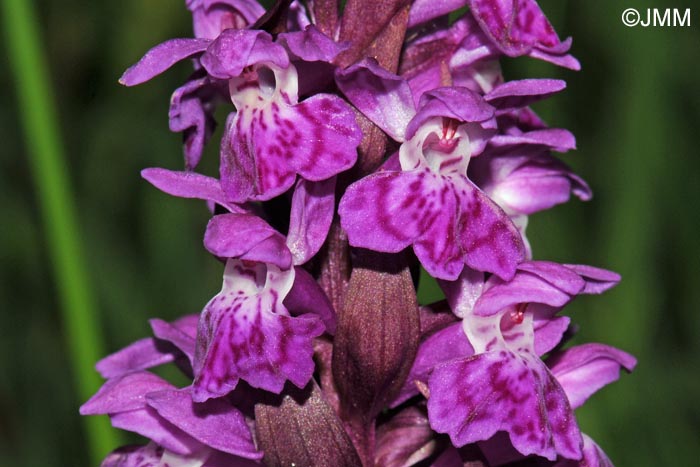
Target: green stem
x: 49, y: 170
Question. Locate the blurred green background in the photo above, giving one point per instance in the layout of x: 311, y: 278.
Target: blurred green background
x: 634, y: 108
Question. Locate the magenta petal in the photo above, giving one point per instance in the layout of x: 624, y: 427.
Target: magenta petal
x: 210, y: 17
x: 516, y: 394
x: 235, y: 49
x: 388, y: 211
x: 247, y: 237
x: 534, y: 183
x: 516, y: 94
x: 438, y: 248
x: 191, y: 113
x: 306, y: 296
x: 526, y: 287
x: 215, y: 423
x: 134, y: 456
x: 383, y: 97
x: 148, y: 423
x: 549, y: 332
x: 180, y: 333
x: 584, y: 369
x: 444, y: 345
x: 566, y: 61
x: 313, y: 207
x: 125, y: 393
x: 162, y: 57
x: 425, y: 10
x: 312, y: 45
x: 458, y: 103
x: 560, y: 276
x: 329, y: 137
x: 517, y: 26
x: 557, y: 139
x: 140, y: 355
x: 490, y: 239
x: 597, y: 280
x: 188, y: 185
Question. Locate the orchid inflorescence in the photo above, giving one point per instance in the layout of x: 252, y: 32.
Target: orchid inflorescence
x: 364, y: 143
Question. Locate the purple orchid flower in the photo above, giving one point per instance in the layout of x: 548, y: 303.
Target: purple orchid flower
x: 519, y: 395
x: 245, y: 332
x: 430, y: 203
x: 271, y: 137
x: 181, y: 431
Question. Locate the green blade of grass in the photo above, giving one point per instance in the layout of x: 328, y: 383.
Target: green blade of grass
x: 50, y: 174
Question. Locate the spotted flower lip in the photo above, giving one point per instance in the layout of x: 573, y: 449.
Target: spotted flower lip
x: 245, y: 332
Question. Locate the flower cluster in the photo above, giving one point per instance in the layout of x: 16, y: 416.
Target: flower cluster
x: 362, y: 144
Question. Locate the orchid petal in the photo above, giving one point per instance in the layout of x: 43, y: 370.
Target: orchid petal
x: 383, y: 97
x: 248, y: 237
x: 458, y: 103
x: 180, y: 333
x: 597, y: 280
x: 306, y: 296
x: 140, y: 355
x: 134, y: 456
x: 191, y: 113
x: 162, y: 57
x: 442, y: 346
x: 516, y: 394
x: 425, y: 10
x: 211, y: 17
x: 149, y: 424
x: 584, y: 369
x: 188, y: 185
x: 312, y: 45
x: 388, y: 211
x: 215, y: 423
x: 124, y: 393
x: 557, y: 139
x: 517, y: 94
x: 313, y: 207
x: 518, y: 27
x: 547, y: 283
x: 490, y: 240
x: 235, y: 49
